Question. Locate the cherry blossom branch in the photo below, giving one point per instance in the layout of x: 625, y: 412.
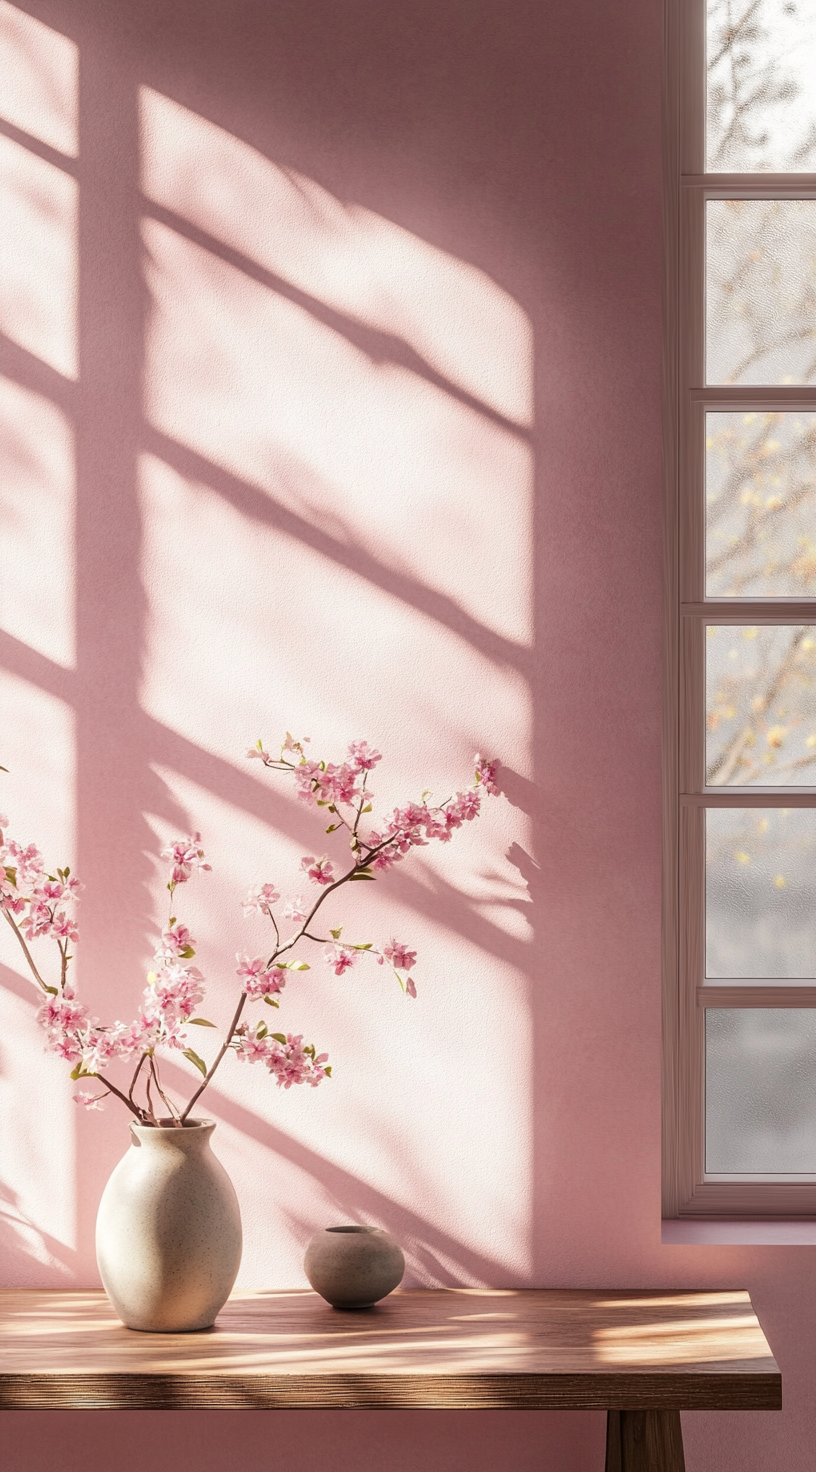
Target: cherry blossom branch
x: 154, y: 1074
x: 175, y: 988
x: 220, y: 1055
x: 112, y: 1089
x: 30, y: 959
x: 139, y: 1067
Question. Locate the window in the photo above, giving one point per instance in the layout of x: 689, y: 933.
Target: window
x: 740, y: 697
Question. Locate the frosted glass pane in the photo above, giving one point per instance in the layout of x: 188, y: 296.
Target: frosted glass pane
x: 761, y: 505
x: 761, y: 1091
x: 761, y: 112
x: 761, y: 894
x: 761, y: 706
x: 761, y: 291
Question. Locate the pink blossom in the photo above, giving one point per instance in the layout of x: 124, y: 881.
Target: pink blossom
x: 260, y: 752
x: 38, y: 921
x: 307, y: 777
x: 363, y: 756
x: 398, y: 955
x: 64, y: 928
x: 486, y: 774
x: 340, y: 958
x: 288, y: 1061
x: 186, y: 856
x: 407, y: 826
x: 50, y: 889
x: 339, y: 784
x: 176, y: 941
x: 252, y: 1049
x: 63, y: 1021
x: 290, y: 744
x: 260, y: 899
x: 320, y: 871
x: 259, y: 979
x: 171, y: 997
x: 27, y: 861
x: 103, y: 1044
x: 90, y: 1101
x: 295, y: 909
x: 467, y: 805
x: 410, y: 987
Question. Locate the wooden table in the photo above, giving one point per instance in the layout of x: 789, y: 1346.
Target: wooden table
x: 642, y: 1356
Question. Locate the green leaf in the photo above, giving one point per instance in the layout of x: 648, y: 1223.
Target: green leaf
x: 280, y: 1037
x: 80, y: 1071
x: 11, y: 875
x: 172, y: 920
x: 200, y: 1022
x: 187, y: 953
x: 299, y: 966
x: 332, y: 808
x: 194, y: 1059
x: 261, y: 1030
x: 333, y: 827
x: 366, y: 947
x: 361, y: 875
x: 259, y: 744
x: 367, y: 808
x: 336, y: 933
x: 327, y: 1070
x: 52, y: 991
x: 270, y: 1002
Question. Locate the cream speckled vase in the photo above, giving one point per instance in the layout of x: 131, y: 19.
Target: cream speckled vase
x: 168, y: 1232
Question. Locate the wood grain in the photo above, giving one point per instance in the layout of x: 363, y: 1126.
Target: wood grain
x: 455, y: 1348
x: 642, y: 1441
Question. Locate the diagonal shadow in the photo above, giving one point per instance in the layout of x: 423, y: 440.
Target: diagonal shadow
x: 44, y: 151
x: 31, y: 372
x: 437, y: 900
x: 250, y: 500
x: 379, y: 346
x: 260, y: 506
x: 354, y: 1196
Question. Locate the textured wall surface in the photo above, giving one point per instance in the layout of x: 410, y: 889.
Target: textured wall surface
x: 332, y: 378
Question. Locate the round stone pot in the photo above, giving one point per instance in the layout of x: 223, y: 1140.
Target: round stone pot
x: 353, y: 1267
x: 168, y: 1232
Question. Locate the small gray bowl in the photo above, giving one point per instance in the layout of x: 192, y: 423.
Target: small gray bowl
x: 353, y: 1267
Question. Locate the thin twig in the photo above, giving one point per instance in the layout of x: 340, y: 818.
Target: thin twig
x: 30, y: 959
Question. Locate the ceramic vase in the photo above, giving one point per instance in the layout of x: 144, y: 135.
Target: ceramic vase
x: 353, y: 1267
x: 168, y: 1232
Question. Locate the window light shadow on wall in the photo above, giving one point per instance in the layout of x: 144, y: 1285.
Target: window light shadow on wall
x: 323, y: 506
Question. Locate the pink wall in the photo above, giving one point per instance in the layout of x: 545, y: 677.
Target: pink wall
x: 356, y: 429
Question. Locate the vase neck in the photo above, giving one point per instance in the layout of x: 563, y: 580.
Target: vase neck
x: 190, y: 1138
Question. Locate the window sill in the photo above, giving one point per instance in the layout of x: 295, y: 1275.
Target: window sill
x: 711, y: 1232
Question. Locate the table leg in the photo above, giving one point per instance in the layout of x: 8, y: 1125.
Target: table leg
x: 644, y: 1441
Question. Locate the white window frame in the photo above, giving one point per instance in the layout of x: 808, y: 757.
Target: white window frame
x: 687, y: 1192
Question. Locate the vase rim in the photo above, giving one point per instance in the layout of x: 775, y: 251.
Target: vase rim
x: 167, y: 1126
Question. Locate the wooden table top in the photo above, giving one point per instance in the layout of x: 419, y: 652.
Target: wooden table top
x: 456, y: 1348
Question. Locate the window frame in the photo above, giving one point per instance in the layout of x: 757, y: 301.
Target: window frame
x: 687, y: 1192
